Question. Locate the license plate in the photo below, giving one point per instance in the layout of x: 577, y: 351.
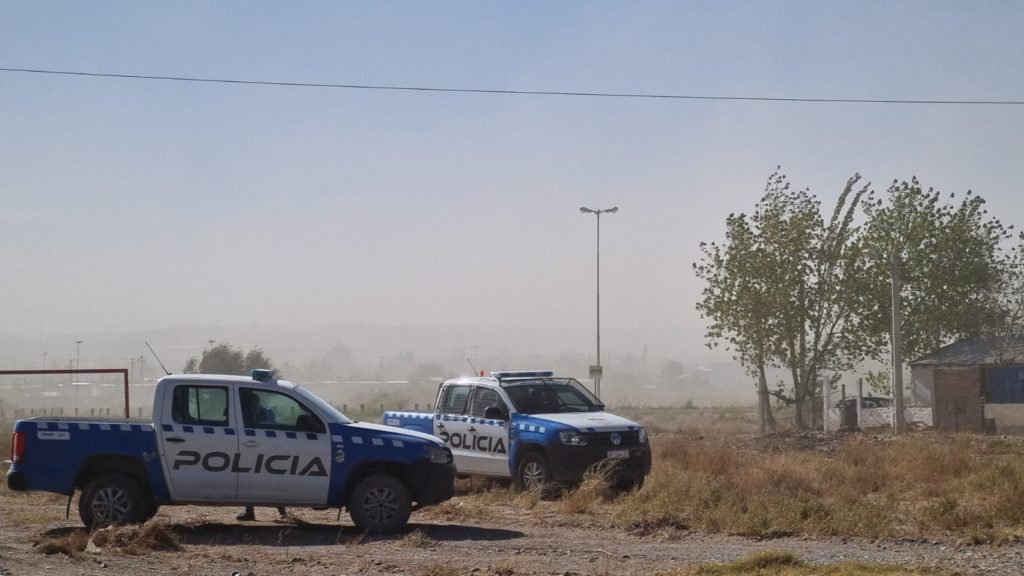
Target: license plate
x: 618, y: 453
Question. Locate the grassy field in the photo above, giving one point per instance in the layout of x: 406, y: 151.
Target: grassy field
x: 711, y: 474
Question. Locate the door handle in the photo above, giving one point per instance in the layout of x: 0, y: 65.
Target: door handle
x: 175, y: 439
x: 471, y: 429
x: 439, y: 425
x: 251, y: 444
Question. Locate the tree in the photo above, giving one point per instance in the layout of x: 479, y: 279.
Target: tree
x: 226, y: 359
x: 952, y: 271
x: 780, y: 290
x: 740, y: 300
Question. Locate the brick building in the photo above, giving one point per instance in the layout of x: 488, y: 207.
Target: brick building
x: 973, y: 385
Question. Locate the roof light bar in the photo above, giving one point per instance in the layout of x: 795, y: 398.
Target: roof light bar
x: 523, y: 374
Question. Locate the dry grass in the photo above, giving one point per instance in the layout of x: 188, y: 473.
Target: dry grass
x: 132, y: 540
x: 71, y: 544
x: 786, y: 564
x: 149, y: 537
x: 595, y: 488
x: 961, y: 489
x: 439, y: 570
x: 417, y: 539
x: 920, y: 485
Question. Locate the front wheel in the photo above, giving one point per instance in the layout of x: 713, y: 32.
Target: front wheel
x: 380, y: 504
x: 111, y: 499
x: 532, y: 473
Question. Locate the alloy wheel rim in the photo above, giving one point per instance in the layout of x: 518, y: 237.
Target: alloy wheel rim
x: 381, y: 505
x: 533, y: 475
x: 111, y: 505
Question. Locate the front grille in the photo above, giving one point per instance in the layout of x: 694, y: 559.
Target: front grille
x: 604, y: 439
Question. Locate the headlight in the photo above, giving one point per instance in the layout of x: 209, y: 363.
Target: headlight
x: 572, y: 438
x: 643, y: 435
x: 439, y: 454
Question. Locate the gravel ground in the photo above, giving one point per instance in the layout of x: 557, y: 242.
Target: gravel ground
x: 512, y: 541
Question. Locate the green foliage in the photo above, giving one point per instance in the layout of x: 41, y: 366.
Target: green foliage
x: 784, y: 286
x: 789, y: 289
x: 879, y: 382
x: 951, y: 267
x: 226, y: 359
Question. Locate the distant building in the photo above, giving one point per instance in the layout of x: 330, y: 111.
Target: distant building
x: 974, y: 385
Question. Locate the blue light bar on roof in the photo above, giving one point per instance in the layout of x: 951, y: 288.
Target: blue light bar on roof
x: 521, y: 374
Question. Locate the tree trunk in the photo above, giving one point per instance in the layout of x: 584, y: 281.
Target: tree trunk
x: 764, y: 401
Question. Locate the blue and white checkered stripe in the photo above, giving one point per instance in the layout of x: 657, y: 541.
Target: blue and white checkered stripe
x: 106, y: 427
x: 531, y: 428
x: 353, y: 439
x: 412, y: 415
x: 249, y: 432
x: 473, y: 420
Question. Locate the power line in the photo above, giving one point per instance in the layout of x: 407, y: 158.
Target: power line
x: 633, y: 95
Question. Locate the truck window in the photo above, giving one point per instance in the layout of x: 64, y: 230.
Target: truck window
x: 266, y: 409
x: 454, y: 399
x: 200, y: 405
x: 482, y: 398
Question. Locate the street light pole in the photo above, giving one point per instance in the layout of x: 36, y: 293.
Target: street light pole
x: 600, y: 369
x: 78, y: 362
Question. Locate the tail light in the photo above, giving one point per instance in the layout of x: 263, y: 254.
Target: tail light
x: 18, y: 447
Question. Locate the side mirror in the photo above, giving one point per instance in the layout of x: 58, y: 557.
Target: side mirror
x: 305, y: 423
x: 495, y: 413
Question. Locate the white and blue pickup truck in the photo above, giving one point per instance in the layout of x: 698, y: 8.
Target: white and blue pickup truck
x: 232, y: 440
x: 533, y: 428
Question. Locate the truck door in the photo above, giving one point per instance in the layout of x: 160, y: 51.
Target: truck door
x: 198, y: 442
x: 451, y: 425
x: 489, y: 451
x: 284, y: 450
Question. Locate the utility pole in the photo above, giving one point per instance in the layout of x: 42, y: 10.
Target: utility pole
x: 898, y: 424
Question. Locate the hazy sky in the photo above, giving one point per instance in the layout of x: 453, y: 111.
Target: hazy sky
x: 128, y: 204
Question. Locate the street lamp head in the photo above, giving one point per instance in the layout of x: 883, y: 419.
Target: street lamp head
x: 612, y: 210
x: 586, y: 210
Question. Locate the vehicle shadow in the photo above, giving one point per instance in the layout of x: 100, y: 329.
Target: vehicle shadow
x: 311, y: 534
x: 299, y: 533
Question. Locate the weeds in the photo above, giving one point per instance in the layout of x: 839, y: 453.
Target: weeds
x: 922, y: 485
x: 787, y: 564
x: 417, y: 539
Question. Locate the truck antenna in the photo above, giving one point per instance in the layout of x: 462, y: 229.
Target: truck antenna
x: 471, y: 366
x: 166, y: 371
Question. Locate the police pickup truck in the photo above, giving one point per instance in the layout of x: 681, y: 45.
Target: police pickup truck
x: 232, y: 440
x: 532, y: 428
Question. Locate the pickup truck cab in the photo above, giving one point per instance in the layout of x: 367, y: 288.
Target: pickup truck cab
x: 532, y: 428
x: 232, y: 440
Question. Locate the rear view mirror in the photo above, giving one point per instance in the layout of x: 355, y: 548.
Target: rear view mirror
x: 495, y: 413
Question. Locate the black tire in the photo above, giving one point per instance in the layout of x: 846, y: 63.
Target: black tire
x: 380, y: 504
x: 112, y: 499
x: 532, y: 473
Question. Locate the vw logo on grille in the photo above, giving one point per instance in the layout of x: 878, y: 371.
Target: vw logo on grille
x: 616, y: 439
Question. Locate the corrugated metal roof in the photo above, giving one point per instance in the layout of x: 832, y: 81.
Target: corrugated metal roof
x: 977, y: 352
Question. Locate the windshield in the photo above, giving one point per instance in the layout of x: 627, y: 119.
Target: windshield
x: 326, y: 409
x: 551, y: 396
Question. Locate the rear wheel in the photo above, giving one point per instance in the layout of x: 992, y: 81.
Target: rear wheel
x: 380, y: 504
x: 112, y: 499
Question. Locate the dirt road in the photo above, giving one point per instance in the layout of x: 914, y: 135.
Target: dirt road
x: 510, y: 541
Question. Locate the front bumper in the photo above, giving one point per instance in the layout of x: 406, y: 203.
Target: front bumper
x: 432, y: 482
x: 569, y: 463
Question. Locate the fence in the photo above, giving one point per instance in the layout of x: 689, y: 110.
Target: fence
x: 365, y: 412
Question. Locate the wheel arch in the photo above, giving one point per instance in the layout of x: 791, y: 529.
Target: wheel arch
x: 365, y: 469
x: 96, y: 466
